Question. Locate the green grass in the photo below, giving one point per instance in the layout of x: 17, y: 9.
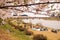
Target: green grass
x: 21, y: 35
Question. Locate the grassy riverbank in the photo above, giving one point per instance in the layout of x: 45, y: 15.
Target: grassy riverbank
x: 15, y: 34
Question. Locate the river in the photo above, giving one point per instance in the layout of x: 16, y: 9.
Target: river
x: 48, y: 23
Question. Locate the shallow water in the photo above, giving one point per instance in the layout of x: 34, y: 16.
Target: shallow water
x: 48, y: 23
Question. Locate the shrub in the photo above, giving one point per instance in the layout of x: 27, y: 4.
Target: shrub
x: 39, y: 37
x: 1, y: 20
x: 21, y: 28
x: 28, y: 32
x: 54, y: 31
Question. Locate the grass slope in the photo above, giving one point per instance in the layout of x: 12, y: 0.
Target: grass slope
x: 14, y: 33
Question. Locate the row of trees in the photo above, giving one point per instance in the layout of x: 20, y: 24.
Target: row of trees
x: 33, y: 9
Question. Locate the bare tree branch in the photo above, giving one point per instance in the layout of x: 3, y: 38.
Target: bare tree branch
x: 28, y: 4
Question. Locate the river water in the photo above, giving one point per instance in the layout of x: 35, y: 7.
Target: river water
x: 48, y: 23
